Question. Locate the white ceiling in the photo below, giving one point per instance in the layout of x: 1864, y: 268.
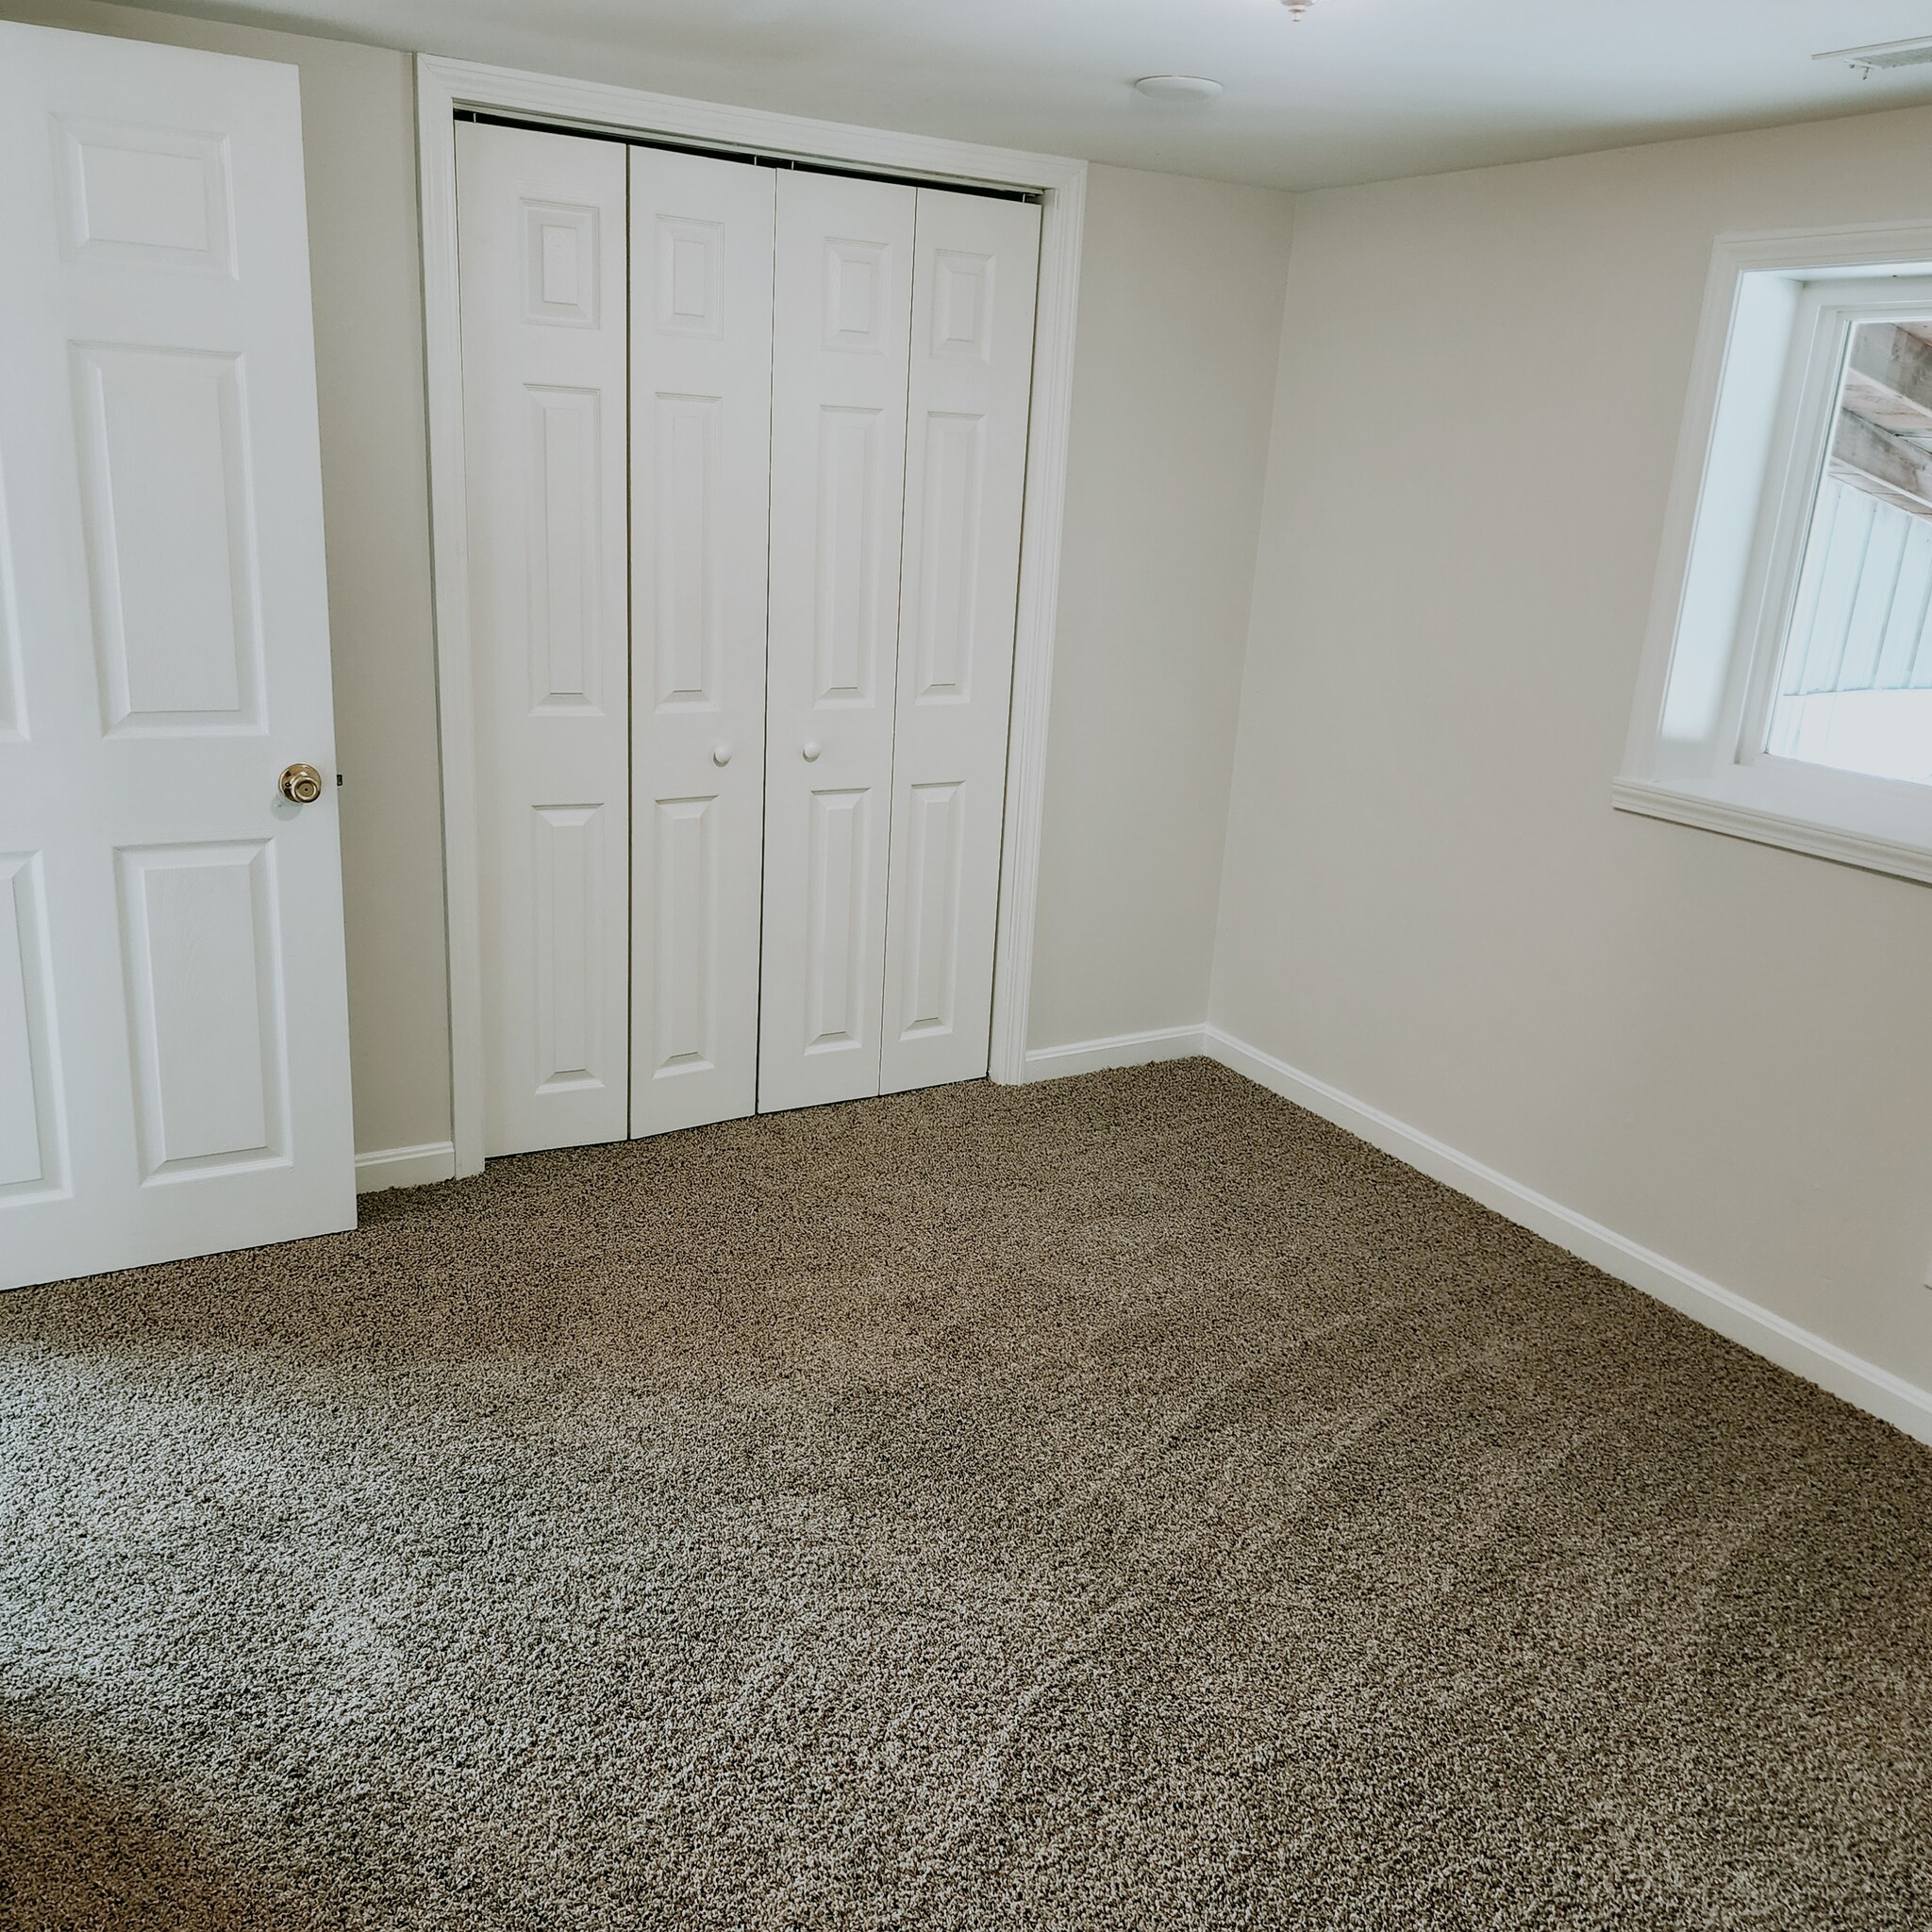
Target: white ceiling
x: 1359, y: 90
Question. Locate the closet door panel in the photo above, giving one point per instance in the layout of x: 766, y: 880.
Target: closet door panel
x: 541, y: 238
x: 843, y: 304
x: 972, y: 365
x: 701, y: 387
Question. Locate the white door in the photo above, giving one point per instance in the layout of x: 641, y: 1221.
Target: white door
x: 541, y: 248
x: 701, y: 444
x: 976, y: 268
x: 844, y: 312
x: 174, y: 1034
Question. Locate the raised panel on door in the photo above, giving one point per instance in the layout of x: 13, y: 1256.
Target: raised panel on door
x: 564, y: 479
x: 541, y: 238
x: 684, y: 959
x: 198, y: 951
x: 176, y: 622
x: 843, y: 309
x: 701, y: 388
x: 570, y: 906
x: 837, y: 918
x: 971, y: 384
x: 174, y: 1050
x: 141, y: 194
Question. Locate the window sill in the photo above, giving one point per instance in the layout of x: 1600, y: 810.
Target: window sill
x: 1833, y: 833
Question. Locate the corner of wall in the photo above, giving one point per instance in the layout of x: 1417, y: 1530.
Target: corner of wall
x: 1271, y: 482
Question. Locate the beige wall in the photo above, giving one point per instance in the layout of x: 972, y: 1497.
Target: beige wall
x: 1180, y: 323
x: 1718, y: 1050
x: 1180, y: 307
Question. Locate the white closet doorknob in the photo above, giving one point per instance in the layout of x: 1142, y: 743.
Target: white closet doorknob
x: 720, y: 754
x: 811, y: 750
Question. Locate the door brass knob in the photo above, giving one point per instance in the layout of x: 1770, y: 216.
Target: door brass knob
x: 301, y: 785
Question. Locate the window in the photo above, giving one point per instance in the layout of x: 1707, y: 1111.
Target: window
x: 1787, y: 688
x: 1855, y: 681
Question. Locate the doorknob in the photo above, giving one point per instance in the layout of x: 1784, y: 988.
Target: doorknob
x: 720, y: 754
x: 301, y: 785
x: 811, y: 750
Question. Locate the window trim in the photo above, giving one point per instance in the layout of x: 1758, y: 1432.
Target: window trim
x: 1735, y: 530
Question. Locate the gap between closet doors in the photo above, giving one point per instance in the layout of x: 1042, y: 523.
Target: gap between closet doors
x: 875, y: 672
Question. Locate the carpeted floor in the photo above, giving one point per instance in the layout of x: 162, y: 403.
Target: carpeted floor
x: 1122, y: 1503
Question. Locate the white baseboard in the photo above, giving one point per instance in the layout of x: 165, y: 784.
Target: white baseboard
x: 1118, y: 1050
x: 405, y: 1167
x: 1861, y: 1383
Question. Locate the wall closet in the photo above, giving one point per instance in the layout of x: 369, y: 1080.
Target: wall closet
x: 744, y: 456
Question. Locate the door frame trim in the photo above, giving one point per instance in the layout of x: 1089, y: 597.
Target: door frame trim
x: 445, y: 86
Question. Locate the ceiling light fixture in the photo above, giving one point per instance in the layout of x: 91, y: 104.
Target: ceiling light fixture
x: 1887, y: 54
x: 1177, y: 87
x: 1297, y: 8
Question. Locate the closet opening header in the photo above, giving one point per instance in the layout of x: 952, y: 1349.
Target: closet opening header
x: 801, y: 165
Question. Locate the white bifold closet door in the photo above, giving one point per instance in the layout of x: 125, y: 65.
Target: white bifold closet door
x: 542, y: 243
x: 701, y: 435
x: 745, y: 459
x: 902, y: 367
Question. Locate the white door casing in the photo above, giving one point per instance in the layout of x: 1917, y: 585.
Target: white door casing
x: 975, y: 270
x: 842, y: 324
x: 446, y: 88
x: 701, y: 418
x: 174, y: 1034
x: 543, y: 239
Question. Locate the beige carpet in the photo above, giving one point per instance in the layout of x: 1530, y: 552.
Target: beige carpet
x: 1122, y: 1503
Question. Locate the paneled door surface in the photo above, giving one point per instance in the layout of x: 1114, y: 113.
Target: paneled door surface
x: 842, y: 330
x: 542, y: 241
x: 174, y: 1036
x: 701, y: 445
x: 976, y: 267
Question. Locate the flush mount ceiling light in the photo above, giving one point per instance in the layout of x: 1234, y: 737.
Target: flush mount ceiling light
x: 1297, y: 8
x: 1177, y: 87
x: 1887, y: 54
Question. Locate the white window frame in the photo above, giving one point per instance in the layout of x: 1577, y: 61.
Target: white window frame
x: 1777, y: 318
